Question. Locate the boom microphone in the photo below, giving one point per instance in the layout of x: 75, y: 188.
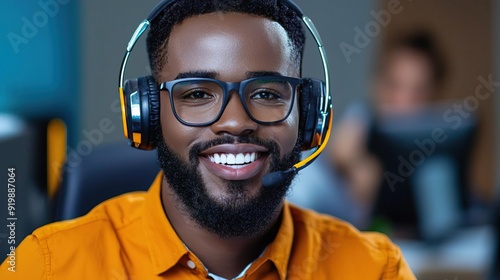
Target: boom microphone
x: 278, y: 177
x: 275, y: 178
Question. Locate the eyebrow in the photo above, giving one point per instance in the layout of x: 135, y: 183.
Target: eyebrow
x: 197, y: 74
x: 213, y: 75
x: 262, y: 74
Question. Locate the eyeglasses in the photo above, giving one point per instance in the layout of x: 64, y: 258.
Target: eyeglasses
x: 201, y: 101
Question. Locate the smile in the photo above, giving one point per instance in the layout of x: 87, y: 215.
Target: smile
x: 233, y: 159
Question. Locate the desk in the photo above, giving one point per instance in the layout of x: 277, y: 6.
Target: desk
x: 466, y: 255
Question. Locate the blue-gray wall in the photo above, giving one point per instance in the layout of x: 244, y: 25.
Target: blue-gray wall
x: 39, y: 50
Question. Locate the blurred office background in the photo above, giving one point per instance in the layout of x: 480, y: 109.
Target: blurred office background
x: 59, y: 101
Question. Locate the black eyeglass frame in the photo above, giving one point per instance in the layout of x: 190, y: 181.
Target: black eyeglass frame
x: 227, y: 88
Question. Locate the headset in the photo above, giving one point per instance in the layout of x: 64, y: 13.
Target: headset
x: 140, y: 101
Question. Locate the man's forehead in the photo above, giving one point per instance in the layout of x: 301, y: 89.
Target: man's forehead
x: 229, y: 22
x: 233, y: 42
x: 216, y: 75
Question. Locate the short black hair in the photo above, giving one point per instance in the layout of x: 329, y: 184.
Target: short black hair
x: 275, y: 10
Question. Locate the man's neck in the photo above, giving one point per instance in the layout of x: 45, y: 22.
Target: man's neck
x: 223, y: 257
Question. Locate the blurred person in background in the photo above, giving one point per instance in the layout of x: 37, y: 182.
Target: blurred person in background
x: 408, y: 75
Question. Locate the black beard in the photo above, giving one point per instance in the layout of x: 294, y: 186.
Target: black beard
x: 237, y: 216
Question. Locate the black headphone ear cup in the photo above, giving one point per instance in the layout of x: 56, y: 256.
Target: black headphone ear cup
x: 142, y: 111
x: 307, y: 114
x: 313, y: 128
x: 154, y: 111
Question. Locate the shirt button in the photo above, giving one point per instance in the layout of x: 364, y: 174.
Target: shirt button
x: 191, y: 264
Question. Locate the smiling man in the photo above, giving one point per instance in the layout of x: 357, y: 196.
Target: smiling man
x: 229, y: 87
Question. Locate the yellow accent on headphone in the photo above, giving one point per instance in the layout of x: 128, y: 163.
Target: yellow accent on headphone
x: 320, y: 148
x: 136, y: 138
x: 124, y: 118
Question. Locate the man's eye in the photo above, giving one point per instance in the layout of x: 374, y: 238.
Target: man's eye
x: 266, y: 94
x: 197, y: 94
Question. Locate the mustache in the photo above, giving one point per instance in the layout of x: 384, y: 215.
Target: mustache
x: 270, y: 145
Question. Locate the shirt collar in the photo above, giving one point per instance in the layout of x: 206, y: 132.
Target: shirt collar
x: 278, y: 252
x: 165, y: 247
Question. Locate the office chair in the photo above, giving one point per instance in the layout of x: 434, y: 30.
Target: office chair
x: 109, y: 170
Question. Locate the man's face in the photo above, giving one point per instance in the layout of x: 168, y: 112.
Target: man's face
x: 230, y: 47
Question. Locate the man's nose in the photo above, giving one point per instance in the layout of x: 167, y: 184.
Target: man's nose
x: 234, y: 120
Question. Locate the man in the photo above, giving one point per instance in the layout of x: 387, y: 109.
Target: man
x: 207, y: 216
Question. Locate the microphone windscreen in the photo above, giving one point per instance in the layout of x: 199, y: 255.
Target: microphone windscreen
x: 272, y: 179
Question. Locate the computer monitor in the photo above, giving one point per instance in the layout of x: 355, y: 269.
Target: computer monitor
x: 425, y: 157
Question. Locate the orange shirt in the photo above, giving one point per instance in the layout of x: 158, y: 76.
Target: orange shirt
x: 130, y: 237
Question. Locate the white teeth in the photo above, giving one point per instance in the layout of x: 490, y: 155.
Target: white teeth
x: 240, y: 159
x: 232, y: 159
